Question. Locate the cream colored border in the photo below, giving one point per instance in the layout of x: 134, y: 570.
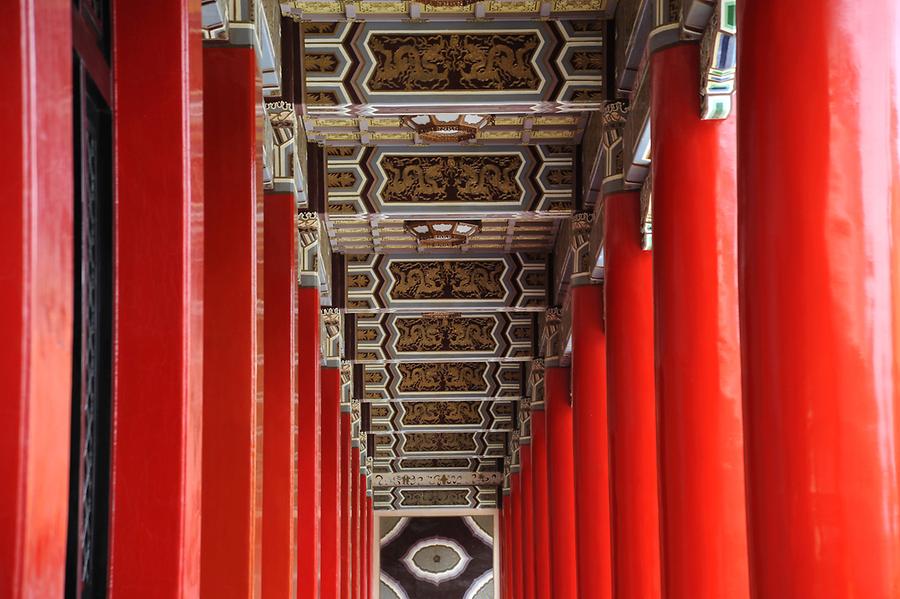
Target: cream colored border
x: 430, y: 513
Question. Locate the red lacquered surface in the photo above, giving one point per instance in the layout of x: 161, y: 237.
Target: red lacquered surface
x: 309, y: 443
x: 364, y: 539
x: 819, y: 195
x: 231, y: 537
x: 698, y: 375
x: 518, y: 586
x: 36, y: 229
x: 590, y: 443
x: 158, y: 387
x: 527, y: 521
x: 504, y: 548
x: 331, y: 482
x: 370, y: 574
x: 355, y: 523
x: 279, y: 557
x: 561, y: 479
x: 631, y: 394
x: 346, y: 509
x: 540, y: 504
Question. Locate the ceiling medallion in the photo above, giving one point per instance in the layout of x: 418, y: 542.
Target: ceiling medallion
x: 447, y: 127
x: 442, y: 233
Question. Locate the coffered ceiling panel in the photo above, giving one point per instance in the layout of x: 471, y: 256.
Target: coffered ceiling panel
x: 414, y: 465
x: 431, y: 380
x: 324, y: 16
x: 413, y: 416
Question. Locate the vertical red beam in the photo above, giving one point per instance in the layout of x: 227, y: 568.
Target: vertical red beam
x: 346, y: 491
x: 561, y: 477
x: 231, y: 534
x: 158, y: 394
x: 364, y: 539
x: 36, y: 230
x: 818, y: 226
x: 309, y: 443
x: 527, y: 520
x: 631, y: 393
x: 698, y: 374
x: 540, y: 503
x: 590, y: 443
x: 518, y: 586
x: 331, y: 482
x: 506, y: 564
x: 279, y: 557
x: 370, y: 519
x: 355, y: 522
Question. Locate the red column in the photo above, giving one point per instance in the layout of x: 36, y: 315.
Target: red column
x: 346, y: 492
x: 631, y: 394
x: 308, y: 445
x: 541, y: 508
x: 363, y: 538
x: 561, y: 479
x: 819, y: 193
x: 698, y: 375
x: 36, y: 229
x: 331, y: 482
x: 231, y: 539
x: 279, y: 558
x: 370, y: 520
x: 504, y: 548
x: 518, y: 586
x: 526, y: 518
x: 590, y: 442
x: 155, y: 504
x: 355, y: 522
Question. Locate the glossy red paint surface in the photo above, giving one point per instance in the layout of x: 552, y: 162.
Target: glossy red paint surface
x: 158, y: 394
x: 518, y: 586
x: 355, y: 523
x: 505, y: 564
x: 36, y: 229
x: 279, y: 558
x: 818, y: 226
x: 631, y: 394
x: 698, y: 374
x: 561, y: 479
x: 589, y: 426
x: 231, y: 536
x: 526, y: 519
x: 309, y: 443
x: 346, y: 506
x: 370, y: 574
x: 331, y: 482
x: 540, y: 504
x: 364, y: 538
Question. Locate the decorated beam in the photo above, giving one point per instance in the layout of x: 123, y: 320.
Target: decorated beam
x: 436, y: 479
x: 423, y: 11
x: 436, y: 497
x: 435, y: 416
x: 455, y: 464
x: 431, y: 380
x: 437, y: 445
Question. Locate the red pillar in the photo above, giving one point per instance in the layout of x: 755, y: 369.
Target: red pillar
x: 370, y: 519
x: 308, y: 445
x: 356, y: 522
x: 561, y: 479
x: 155, y: 504
x: 518, y: 586
x: 279, y: 557
x: 331, y: 482
x: 36, y: 231
x: 819, y: 193
x: 698, y: 375
x: 346, y: 491
x: 631, y: 393
x: 526, y: 518
x: 590, y: 442
x: 540, y: 503
x: 504, y: 548
x: 231, y: 539
x: 363, y: 537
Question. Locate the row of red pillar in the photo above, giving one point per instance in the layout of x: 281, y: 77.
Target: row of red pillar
x: 733, y: 428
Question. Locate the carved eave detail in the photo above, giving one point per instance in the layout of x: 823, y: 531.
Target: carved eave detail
x: 581, y: 225
x: 332, y: 338
x: 718, y: 62
x: 549, y: 345
x: 536, y: 383
x: 283, y: 172
x: 308, y: 231
x: 346, y: 384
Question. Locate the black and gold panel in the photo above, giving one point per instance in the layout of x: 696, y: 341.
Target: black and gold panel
x: 425, y: 381
x: 417, y: 181
x: 396, y: 498
x: 415, y: 284
x: 410, y: 416
x: 330, y: 12
x: 441, y: 335
x: 451, y: 465
x: 511, y: 66
x: 438, y: 445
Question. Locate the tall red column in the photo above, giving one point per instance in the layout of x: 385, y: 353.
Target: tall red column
x: 526, y: 519
x: 231, y: 537
x: 346, y: 493
x: 561, y: 479
x: 505, y: 564
x: 818, y: 229
x: 155, y: 504
x: 309, y: 443
x: 370, y: 519
x: 631, y: 394
x: 540, y: 503
x: 279, y: 553
x: 698, y: 374
x: 356, y: 522
x: 518, y: 586
x: 590, y: 443
x: 36, y: 241
x: 363, y: 539
x: 331, y: 482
